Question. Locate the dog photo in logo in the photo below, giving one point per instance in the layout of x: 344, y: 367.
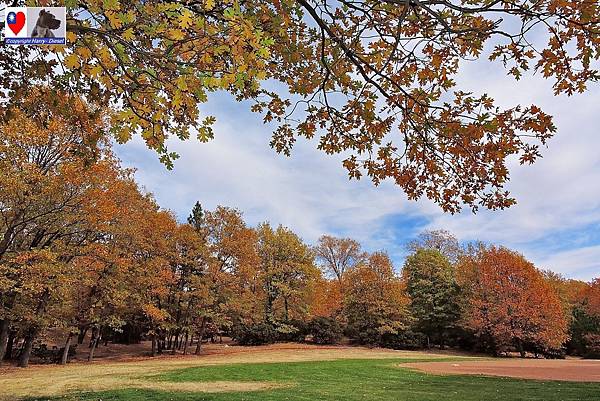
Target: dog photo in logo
x: 45, y: 24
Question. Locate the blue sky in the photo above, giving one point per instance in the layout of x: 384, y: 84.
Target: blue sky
x: 556, y: 222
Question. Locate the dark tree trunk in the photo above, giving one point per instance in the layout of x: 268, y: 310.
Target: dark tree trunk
x: 93, y: 344
x: 27, y: 346
x: 269, y: 308
x: 9, y: 345
x: 185, y: 343
x: 93, y: 338
x: 4, y: 328
x: 161, y: 345
x: 521, y: 349
x: 82, y: 333
x: 153, y: 344
x: 175, y: 344
x: 286, y: 309
x: 8, y: 236
x: 65, y: 355
x: 33, y: 331
x: 200, y: 336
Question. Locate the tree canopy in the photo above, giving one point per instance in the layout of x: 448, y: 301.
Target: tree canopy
x: 509, y: 303
x: 373, y: 80
x: 85, y: 253
x: 433, y: 291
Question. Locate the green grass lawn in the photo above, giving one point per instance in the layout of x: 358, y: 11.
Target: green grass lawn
x: 349, y: 380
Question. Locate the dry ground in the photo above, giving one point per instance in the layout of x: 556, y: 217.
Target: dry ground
x: 576, y: 370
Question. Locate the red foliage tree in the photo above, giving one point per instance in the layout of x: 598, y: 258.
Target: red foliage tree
x: 509, y: 304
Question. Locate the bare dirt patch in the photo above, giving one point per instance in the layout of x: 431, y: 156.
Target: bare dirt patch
x: 538, y: 369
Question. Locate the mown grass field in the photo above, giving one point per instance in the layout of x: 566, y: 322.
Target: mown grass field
x: 337, y: 380
x: 273, y: 373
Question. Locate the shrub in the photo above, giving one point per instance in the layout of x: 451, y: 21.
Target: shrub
x: 254, y: 334
x: 559, y: 353
x: 53, y: 355
x: 293, y: 331
x: 403, y: 340
x: 324, y: 330
x: 592, y: 346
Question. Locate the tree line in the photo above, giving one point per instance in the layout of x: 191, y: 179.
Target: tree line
x: 86, y: 252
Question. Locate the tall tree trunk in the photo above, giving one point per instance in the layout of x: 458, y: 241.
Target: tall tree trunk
x: 10, y: 344
x: 8, y: 235
x: 185, y: 343
x: 269, y: 305
x: 153, y: 344
x: 65, y: 355
x: 27, y: 346
x: 286, y: 309
x: 520, y: 348
x: 33, y: 331
x: 200, y: 336
x: 94, y: 336
x: 93, y: 343
x: 175, y: 344
x: 82, y: 332
x: 161, y: 345
x: 4, y: 327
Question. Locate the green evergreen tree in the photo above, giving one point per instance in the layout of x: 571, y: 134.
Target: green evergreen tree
x: 196, y: 217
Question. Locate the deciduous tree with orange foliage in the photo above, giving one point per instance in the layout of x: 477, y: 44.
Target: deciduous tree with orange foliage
x: 592, y: 297
x: 375, y: 304
x: 234, y: 275
x: 328, y: 299
x: 374, y: 80
x: 510, y: 305
x: 287, y: 269
x: 53, y: 161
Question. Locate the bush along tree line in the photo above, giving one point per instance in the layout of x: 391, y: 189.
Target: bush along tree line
x: 86, y: 253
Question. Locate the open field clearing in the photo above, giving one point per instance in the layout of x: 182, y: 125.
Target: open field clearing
x: 289, y: 372
x: 51, y: 380
x: 575, y: 370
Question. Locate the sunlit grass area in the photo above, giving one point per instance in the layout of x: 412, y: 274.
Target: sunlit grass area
x: 49, y: 381
x: 348, y: 380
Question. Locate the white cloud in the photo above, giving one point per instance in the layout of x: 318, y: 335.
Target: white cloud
x: 581, y: 263
x: 310, y: 191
